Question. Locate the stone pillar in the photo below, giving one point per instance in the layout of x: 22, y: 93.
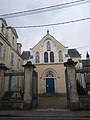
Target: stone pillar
x: 74, y: 98
x: 3, y: 69
x: 29, y: 67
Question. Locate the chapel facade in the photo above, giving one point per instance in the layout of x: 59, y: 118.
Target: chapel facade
x: 49, y: 56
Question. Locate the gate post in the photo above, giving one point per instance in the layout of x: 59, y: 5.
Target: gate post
x: 3, y: 69
x: 29, y: 67
x: 74, y: 98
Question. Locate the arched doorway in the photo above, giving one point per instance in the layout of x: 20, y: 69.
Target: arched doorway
x: 50, y: 85
x: 49, y: 81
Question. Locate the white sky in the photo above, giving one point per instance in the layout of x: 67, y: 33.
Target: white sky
x: 74, y: 35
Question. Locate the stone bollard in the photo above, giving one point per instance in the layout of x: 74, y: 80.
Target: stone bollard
x: 29, y: 67
x: 3, y: 69
x: 74, y: 98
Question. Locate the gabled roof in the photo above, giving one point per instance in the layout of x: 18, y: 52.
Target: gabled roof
x: 73, y: 53
x: 26, y: 55
x: 47, y: 36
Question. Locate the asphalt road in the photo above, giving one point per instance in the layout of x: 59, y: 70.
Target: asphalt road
x: 45, y: 115
x: 46, y: 118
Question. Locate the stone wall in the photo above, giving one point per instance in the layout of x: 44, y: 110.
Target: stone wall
x: 75, y: 102
x: 11, y: 105
x: 26, y: 101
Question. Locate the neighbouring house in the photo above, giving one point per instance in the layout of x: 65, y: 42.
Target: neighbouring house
x: 10, y: 54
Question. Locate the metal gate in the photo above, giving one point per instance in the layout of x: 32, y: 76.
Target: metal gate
x: 83, y: 80
x: 34, y: 89
x: 14, y: 86
x: 14, y: 91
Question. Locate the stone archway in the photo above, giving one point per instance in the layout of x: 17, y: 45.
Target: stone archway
x: 49, y: 81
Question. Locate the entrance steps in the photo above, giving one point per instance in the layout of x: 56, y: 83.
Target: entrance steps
x: 52, y: 94
x: 54, y: 101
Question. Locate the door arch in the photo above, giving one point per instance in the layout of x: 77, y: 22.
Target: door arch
x: 50, y: 86
x: 49, y: 81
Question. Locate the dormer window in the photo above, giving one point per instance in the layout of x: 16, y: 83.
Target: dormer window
x: 48, y: 46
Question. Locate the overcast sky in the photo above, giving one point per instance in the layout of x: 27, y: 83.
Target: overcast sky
x: 74, y: 35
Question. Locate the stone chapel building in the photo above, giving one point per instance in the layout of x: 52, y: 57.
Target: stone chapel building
x: 49, y: 56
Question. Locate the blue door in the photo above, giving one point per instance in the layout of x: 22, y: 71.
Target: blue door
x: 50, y: 85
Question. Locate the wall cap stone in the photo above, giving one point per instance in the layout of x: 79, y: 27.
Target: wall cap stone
x: 69, y: 63
x: 29, y: 64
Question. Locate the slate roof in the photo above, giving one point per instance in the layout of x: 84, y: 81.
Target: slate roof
x: 86, y: 63
x: 26, y: 55
x: 73, y: 53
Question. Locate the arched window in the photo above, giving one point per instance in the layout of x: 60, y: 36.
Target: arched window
x: 46, y: 57
x: 60, y: 56
x: 49, y: 74
x: 37, y: 57
x: 51, y: 56
x: 48, y: 46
